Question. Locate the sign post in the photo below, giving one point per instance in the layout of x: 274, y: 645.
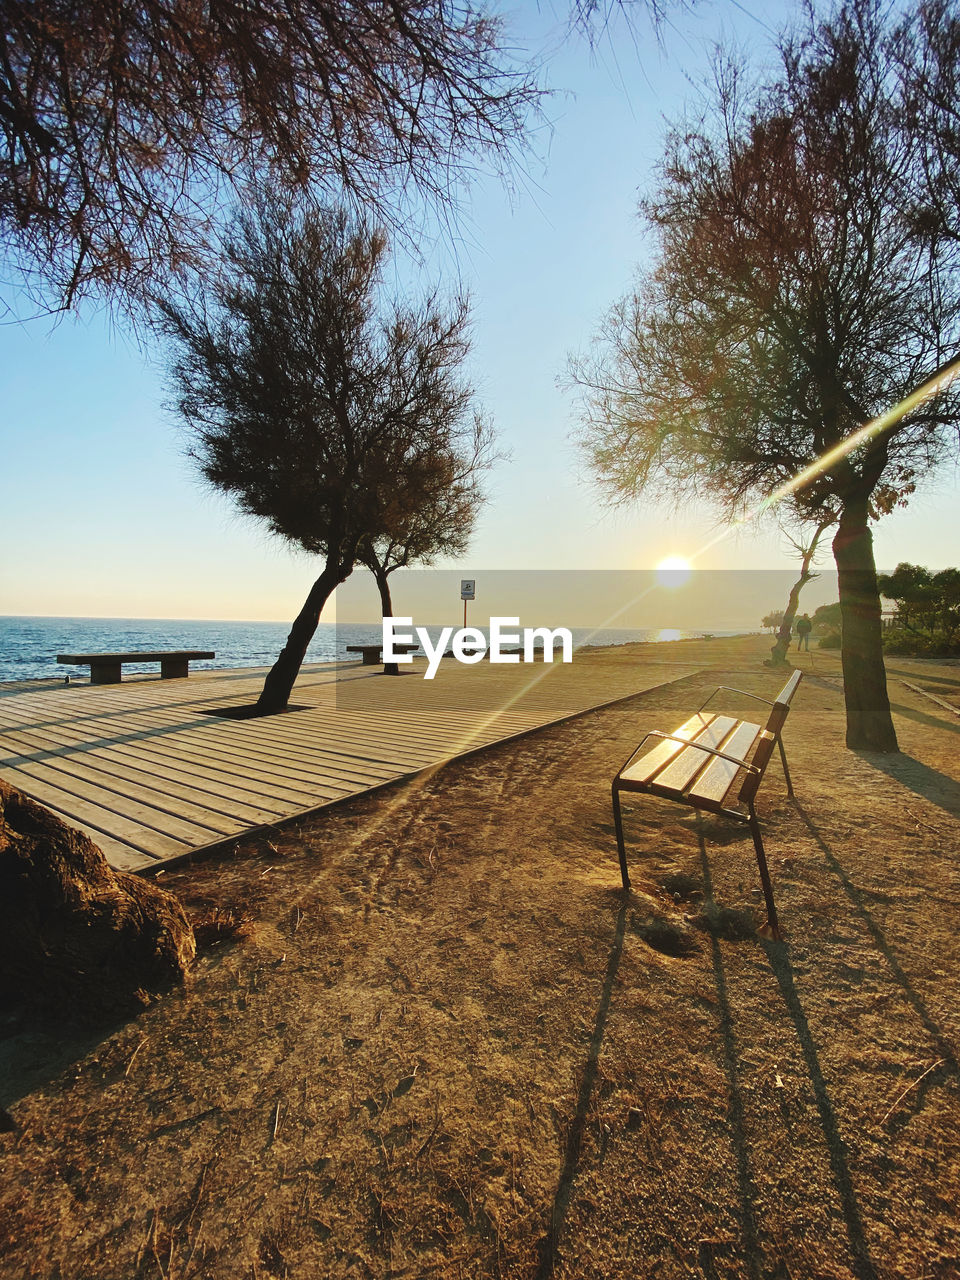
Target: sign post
x: 468, y: 591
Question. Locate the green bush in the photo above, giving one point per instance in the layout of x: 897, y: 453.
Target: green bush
x: 916, y: 645
x: 830, y: 641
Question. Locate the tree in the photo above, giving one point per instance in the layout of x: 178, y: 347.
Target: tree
x: 796, y: 296
x: 321, y: 410
x: 123, y: 126
x: 126, y: 129
x: 926, y: 602
x: 773, y: 620
x: 827, y: 622
x: 911, y: 587
x: 429, y: 512
x: 806, y: 547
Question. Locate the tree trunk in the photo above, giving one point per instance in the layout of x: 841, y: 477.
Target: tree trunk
x: 869, y: 722
x: 280, y: 680
x: 778, y: 654
x: 386, y: 608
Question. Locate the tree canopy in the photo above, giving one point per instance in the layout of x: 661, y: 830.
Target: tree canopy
x: 797, y: 294
x: 126, y: 130
x: 928, y: 603
x: 123, y: 127
x: 342, y: 421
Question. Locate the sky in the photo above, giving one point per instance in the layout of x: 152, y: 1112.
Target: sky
x: 102, y: 515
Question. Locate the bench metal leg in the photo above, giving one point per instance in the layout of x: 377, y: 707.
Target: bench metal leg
x: 174, y: 668
x: 786, y: 771
x: 772, y: 928
x: 618, y: 825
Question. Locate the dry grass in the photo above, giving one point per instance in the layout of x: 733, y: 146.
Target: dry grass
x: 430, y: 1037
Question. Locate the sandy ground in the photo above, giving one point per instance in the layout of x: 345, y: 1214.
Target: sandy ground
x: 441, y: 1043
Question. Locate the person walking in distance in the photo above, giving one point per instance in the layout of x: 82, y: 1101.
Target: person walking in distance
x: 804, y: 627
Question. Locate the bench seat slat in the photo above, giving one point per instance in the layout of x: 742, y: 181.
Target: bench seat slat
x: 717, y: 778
x: 681, y: 772
x: 664, y: 759
x: 643, y: 769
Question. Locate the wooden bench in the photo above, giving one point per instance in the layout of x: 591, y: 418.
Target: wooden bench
x: 106, y: 668
x: 715, y: 763
x: 371, y: 652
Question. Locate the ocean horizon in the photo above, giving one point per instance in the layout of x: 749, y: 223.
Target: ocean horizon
x: 29, y: 644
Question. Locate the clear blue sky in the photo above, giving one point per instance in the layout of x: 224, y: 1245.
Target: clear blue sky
x: 100, y: 514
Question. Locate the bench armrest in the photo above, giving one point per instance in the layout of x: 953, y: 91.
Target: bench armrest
x: 710, y: 751
x: 728, y: 689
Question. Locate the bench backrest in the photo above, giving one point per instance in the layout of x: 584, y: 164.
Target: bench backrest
x: 769, y: 737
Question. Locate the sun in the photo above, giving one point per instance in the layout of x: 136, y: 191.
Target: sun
x: 674, y: 571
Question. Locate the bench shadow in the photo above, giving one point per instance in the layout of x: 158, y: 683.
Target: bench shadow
x: 778, y: 958
x: 746, y: 1187
x: 571, y: 1158
x: 939, y: 788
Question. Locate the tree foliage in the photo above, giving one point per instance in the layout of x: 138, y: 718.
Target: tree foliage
x: 341, y: 421
x: 123, y: 126
x: 797, y: 294
x: 928, y: 604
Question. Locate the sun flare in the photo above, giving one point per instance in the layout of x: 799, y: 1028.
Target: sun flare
x: 674, y: 571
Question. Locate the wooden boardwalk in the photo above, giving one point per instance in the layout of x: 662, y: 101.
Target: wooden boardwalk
x: 150, y: 774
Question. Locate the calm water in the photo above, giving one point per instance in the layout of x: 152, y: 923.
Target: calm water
x: 29, y: 646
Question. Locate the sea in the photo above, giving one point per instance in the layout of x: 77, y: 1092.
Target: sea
x: 29, y: 646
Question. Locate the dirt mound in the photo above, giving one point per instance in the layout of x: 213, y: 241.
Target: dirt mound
x: 75, y: 935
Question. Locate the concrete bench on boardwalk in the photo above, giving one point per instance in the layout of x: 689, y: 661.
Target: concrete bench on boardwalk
x: 715, y: 763
x: 371, y: 652
x: 106, y: 668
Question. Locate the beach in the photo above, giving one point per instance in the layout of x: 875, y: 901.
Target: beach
x: 428, y: 1035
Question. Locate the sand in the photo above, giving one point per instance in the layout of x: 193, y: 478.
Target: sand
x: 428, y: 1036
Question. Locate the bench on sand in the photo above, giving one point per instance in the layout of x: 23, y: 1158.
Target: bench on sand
x: 714, y: 763
x: 106, y: 668
x: 371, y: 652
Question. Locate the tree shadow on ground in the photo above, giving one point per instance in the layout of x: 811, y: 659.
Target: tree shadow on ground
x: 862, y: 1265
x: 913, y: 673
x: 571, y: 1158
x: 939, y: 788
x: 857, y: 899
x: 36, y: 1051
x: 924, y: 718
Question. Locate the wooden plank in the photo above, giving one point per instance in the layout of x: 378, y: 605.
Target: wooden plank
x: 790, y: 688
x: 658, y: 757
x: 678, y: 775
x: 94, y: 818
x: 719, y: 775
x: 164, y: 821
x: 183, y: 748
x: 134, y: 767
x: 149, y: 795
